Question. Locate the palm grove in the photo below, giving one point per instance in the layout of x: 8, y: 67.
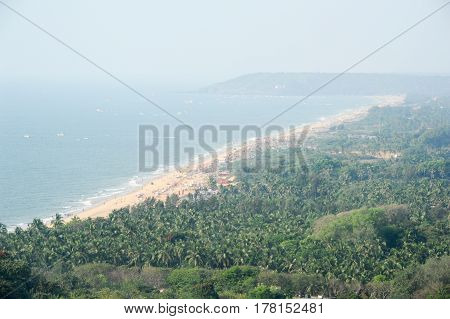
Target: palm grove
x: 367, y: 218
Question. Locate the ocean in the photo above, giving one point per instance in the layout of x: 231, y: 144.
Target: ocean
x: 63, y: 150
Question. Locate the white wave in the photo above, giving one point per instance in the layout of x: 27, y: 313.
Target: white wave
x: 86, y: 202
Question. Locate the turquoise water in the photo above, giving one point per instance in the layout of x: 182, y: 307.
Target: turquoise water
x: 62, y: 150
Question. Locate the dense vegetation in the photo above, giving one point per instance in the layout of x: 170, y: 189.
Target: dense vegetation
x: 367, y: 217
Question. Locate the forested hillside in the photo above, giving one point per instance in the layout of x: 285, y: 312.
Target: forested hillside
x: 366, y: 216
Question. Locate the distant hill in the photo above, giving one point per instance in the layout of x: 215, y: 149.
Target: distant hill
x: 348, y: 84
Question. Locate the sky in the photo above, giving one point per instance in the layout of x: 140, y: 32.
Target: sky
x: 189, y: 44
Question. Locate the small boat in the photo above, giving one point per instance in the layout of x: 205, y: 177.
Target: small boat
x: 61, y: 134
x: 27, y: 136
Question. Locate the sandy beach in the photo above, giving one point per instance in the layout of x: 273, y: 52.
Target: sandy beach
x: 187, y: 180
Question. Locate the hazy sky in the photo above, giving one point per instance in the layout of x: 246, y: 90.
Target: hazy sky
x: 185, y: 44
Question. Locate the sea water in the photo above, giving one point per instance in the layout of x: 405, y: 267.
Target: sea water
x: 64, y: 149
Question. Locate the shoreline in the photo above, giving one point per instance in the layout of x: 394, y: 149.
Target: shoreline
x: 194, y: 176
